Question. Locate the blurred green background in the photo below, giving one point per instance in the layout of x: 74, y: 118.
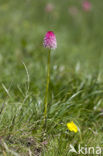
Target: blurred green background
x: 23, y: 25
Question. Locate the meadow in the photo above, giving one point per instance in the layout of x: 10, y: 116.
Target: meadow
x: 76, y: 83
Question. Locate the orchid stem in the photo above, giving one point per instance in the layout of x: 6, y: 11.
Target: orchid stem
x: 47, y: 89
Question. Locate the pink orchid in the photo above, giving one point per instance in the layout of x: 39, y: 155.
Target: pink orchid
x: 86, y: 6
x: 50, y: 40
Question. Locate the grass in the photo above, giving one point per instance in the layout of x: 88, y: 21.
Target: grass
x: 76, y: 86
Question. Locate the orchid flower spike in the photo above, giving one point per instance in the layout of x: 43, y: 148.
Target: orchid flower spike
x: 50, y: 40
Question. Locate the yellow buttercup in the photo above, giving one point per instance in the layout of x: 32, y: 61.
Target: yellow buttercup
x: 72, y: 127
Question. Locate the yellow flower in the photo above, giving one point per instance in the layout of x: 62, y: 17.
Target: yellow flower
x: 72, y: 127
